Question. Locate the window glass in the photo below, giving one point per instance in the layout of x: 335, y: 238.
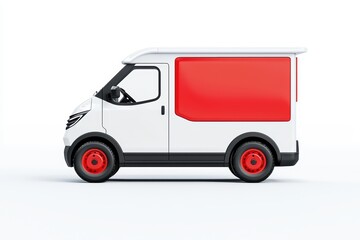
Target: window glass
x: 141, y: 84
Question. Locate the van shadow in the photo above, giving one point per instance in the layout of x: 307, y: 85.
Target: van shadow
x: 202, y: 180
x: 169, y: 180
x: 175, y: 180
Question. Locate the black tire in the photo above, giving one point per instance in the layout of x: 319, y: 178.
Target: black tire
x: 105, y: 173
x: 232, y: 169
x: 116, y: 168
x: 261, y: 165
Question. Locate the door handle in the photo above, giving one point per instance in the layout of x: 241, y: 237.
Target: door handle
x: 162, y: 110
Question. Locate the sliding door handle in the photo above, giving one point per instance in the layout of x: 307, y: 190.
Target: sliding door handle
x: 162, y: 110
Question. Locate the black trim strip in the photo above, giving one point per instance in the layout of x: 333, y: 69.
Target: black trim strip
x: 174, y: 159
x: 198, y: 157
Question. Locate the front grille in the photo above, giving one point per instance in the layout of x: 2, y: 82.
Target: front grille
x: 75, y: 118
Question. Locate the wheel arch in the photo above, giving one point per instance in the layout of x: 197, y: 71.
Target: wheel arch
x: 252, y: 136
x: 96, y: 136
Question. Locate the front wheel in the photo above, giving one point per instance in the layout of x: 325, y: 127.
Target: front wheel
x: 252, y: 162
x: 95, y: 162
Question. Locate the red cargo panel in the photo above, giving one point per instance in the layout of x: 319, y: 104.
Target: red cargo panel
x: 232, y: 89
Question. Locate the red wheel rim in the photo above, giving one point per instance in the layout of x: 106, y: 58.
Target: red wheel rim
x: 253, y: 161
x: 94, y: 161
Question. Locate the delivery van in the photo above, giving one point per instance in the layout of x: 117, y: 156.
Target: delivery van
x: 232, y: 108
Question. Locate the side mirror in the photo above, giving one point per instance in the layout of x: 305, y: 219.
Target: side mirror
x: 115, y: 92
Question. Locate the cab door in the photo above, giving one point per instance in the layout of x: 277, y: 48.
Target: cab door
x: 138, y: 120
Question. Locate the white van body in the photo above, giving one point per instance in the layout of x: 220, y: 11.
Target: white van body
x: 152, y: 134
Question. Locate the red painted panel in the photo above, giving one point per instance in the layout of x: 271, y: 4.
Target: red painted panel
x: 232, y: 89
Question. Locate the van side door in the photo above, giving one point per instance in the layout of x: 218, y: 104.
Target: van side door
x: 138, y: 120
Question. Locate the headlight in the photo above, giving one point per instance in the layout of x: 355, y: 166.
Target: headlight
x: 75, y: 118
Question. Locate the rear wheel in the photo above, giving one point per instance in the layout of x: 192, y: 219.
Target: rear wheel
x: 252, y: 162
x: 95, y: 162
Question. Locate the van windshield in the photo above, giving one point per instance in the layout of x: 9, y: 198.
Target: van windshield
x: 114, y: 81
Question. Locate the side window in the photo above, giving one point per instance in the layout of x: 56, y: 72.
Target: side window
x: 141, y: 85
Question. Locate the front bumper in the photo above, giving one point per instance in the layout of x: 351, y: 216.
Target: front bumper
x: 290, y: 159
x: 67, y: 156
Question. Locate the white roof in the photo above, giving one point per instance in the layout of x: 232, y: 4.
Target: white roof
x: 134, y: 56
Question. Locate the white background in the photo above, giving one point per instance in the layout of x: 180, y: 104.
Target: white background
x: 55, y: 54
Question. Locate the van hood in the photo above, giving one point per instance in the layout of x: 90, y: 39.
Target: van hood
x: 83, y: 107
